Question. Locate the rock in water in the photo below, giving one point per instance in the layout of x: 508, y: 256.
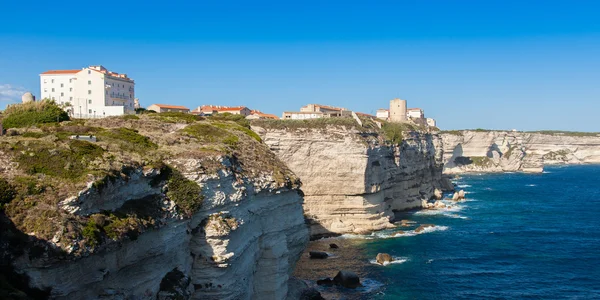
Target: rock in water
x: 455, y: 196
x: 333, y: 246
x: 318, y: 254
x: 311, y: 294
x: 437, y: 193
x: 326, y: 281
x: 383, y: 258
x: 347, y: 279
x: 423, y: 227
x: 461, y: 194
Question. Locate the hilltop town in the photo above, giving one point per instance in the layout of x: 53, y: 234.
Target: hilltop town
x: 96, y: 92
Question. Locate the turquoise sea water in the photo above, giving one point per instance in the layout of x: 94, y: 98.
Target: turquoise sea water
x: 518, y: 236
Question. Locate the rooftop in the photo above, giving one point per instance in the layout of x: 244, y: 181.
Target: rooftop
x: 171, y: 106
x: 60, y: 72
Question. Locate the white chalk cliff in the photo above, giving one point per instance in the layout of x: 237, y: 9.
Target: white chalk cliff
x: 502, y: 151
x: 242, y: 244
x: 351, y: 181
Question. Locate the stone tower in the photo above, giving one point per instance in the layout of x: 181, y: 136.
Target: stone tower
x: 27, y: 97
x: 397, y: 110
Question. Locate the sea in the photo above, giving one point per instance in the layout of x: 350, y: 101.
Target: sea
x: 517, y: 236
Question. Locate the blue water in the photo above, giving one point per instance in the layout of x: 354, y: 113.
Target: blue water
x: 518, y: 236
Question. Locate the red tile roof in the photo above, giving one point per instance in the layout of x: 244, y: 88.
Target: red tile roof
x: 58, y: 72
x: 221, y: 108
x: 261, y: 114
x: 171, y: 106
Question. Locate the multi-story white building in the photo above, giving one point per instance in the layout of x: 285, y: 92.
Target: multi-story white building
x: 415, y: 113
x: 92, y: 92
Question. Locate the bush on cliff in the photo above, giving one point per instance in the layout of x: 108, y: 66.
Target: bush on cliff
x: 393, y: 132
x: 185, y: 193
x: 33, y: 113
x: 7, y: 192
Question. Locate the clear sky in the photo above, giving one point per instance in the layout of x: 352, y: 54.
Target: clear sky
x: 527, y: 65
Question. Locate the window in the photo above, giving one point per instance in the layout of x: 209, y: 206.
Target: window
x: 89, y: 72
x: 70, y: 80
x: 90, y: 101
x: 90, y: 111
x: 70, y: 89
x: 70, y: 98
x: 62, y: 94
x: 52, y: 80
x: 45, y: 90
x: 62, y: 85
x: 89, y: 82
x: 53, y: 89
x: 89, y: 92
x: 45, y: 81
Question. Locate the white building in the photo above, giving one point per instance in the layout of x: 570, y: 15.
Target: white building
x: 415, y: 113
x: 383, y: 114
x: 92, y: 92
x: 301, y: 115
x: 431, y: 122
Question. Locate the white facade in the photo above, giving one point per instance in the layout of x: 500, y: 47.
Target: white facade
x: 301, y: 115
x: 92, y: 92
x: 383, y: 114
x: 416, y: 113
x: 431, y: 122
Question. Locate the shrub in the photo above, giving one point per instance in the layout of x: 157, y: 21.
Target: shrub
x: 33, y: 113
x: 59, y: 162
x: 130, y: 117
x: 394, y: 132
x: 320, y: 123
x: 185, y: 193
x: 91, y: 233
x: 239, y: 119
x: 7, y: 192
x: 128, y: 139
x: 236, y: 126
x: 176, y: 117
x: 210, y: 133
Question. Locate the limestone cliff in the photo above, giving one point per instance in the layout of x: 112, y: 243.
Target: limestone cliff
x: 501, y: 151
x: 217, y: 217
x: 353, y: 181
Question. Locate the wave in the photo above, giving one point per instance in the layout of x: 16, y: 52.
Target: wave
x: 531, y: 185
x: 390, y: 235
x: 462, y: 186
x: 397, y: 260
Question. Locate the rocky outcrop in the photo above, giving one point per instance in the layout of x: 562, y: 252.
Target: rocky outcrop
x: 352, y: 180
x: 502, y: 151
x: 383, y: 258
x: 243, y: 244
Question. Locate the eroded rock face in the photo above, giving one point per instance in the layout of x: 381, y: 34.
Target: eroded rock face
x: 242, y: 244
x: 351, y: 182
x: 502, y: 151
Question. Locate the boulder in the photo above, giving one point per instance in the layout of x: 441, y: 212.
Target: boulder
x: 325, y: 281
x: 406, y: 223
x: 311, y: 294
x: 347, y: 279
x: 333, y: 246
x: 383, y: 258
x: 461, y: 194
x: 318, y: 254
x: 423, y: 227
x: 437, y: 194
x: 439, y: 204
x: 455, y: 196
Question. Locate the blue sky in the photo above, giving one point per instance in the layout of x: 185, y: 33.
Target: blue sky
x: 469, y: 64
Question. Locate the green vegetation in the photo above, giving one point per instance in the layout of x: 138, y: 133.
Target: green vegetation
x: 566, y: 133
x: 176, y: 117
x: 35, y: 135
x: 320, y: 123
x: 238, y: 127
x: 91, y: 233
x: 186, y: 193
x: 239, y: 119
x: 67, y: 163
x: 482, y: 161
x: 128, y: 139
x: 393, y: 132
x: 33, y: 113
x: 130, y: 117
x: 554, y: 155
x: 210, y: 133
x: 7, y: 192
